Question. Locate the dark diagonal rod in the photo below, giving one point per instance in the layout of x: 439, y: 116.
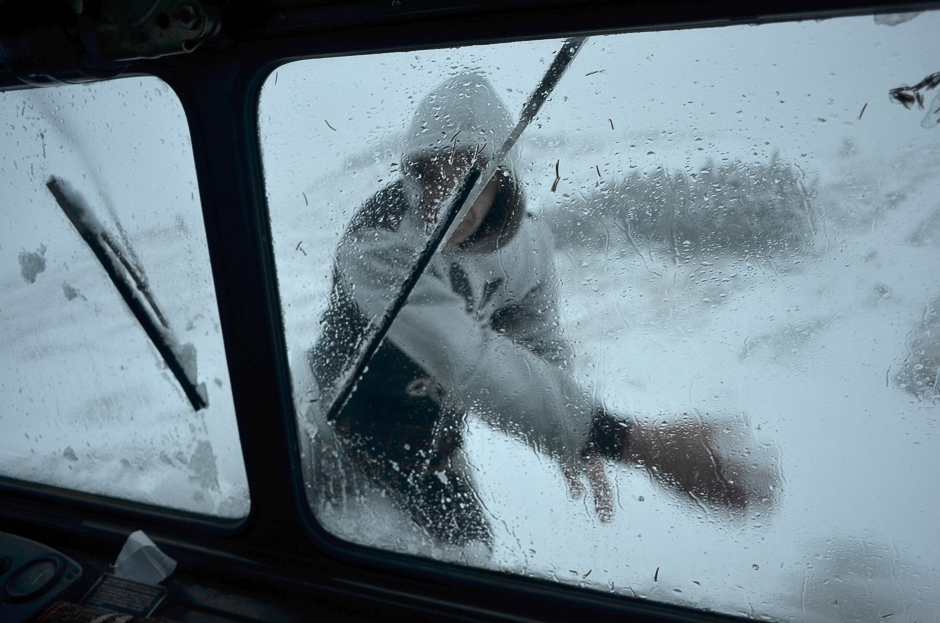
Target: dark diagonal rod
x: 92, y: 231
x: 136, y: 274
x: 469, y: 190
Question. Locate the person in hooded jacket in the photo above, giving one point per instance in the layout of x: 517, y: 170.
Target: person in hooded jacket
x: 480, y: 332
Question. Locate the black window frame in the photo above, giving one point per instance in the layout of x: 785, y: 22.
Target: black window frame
x: 280, y: 540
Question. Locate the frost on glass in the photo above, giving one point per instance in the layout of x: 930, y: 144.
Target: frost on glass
x: 737, y: 231
x: 90, y: 402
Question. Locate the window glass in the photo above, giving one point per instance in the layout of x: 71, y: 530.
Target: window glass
x: 112, y: 369
x: 683, y: 348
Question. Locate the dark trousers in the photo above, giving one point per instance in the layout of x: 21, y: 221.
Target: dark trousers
x: 396, y: 428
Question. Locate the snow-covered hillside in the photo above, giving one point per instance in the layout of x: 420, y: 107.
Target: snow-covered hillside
x: 735, y: 241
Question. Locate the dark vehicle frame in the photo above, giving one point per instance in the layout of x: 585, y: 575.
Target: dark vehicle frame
x: 278, y: 564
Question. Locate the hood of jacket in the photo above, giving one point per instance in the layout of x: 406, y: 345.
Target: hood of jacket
x: 464, y: 114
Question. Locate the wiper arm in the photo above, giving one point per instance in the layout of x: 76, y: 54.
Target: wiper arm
x: 180, y: 358
x: 469, y: 190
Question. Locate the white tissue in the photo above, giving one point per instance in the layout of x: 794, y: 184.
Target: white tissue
x: 142, y: 561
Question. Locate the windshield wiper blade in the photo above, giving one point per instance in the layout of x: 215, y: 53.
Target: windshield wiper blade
x: 179, y: 358
x: 469, y: 190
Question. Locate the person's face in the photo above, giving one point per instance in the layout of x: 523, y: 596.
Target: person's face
x: 439, y: 178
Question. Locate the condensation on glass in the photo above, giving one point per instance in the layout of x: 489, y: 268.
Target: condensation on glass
x: 727, y: 239
x: 90, y: 402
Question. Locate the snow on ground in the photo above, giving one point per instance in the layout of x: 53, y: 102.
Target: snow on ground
x: 804, y: 345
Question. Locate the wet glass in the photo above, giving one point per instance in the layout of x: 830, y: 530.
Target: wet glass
x: 122, y: 394
x: 729, y: 245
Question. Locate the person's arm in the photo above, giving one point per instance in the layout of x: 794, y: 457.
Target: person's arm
x: 498, y: 374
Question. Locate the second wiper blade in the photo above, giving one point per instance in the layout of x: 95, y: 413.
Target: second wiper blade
x: 179, y: 358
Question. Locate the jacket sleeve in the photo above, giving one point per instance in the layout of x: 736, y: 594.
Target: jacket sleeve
x: 509, y: 371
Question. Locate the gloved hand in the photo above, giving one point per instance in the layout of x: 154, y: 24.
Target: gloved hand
x: 593, y: 469
x: 716, y: 461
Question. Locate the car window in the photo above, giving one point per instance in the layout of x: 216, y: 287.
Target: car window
x: 112, y: 370
x: 684, y: 347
